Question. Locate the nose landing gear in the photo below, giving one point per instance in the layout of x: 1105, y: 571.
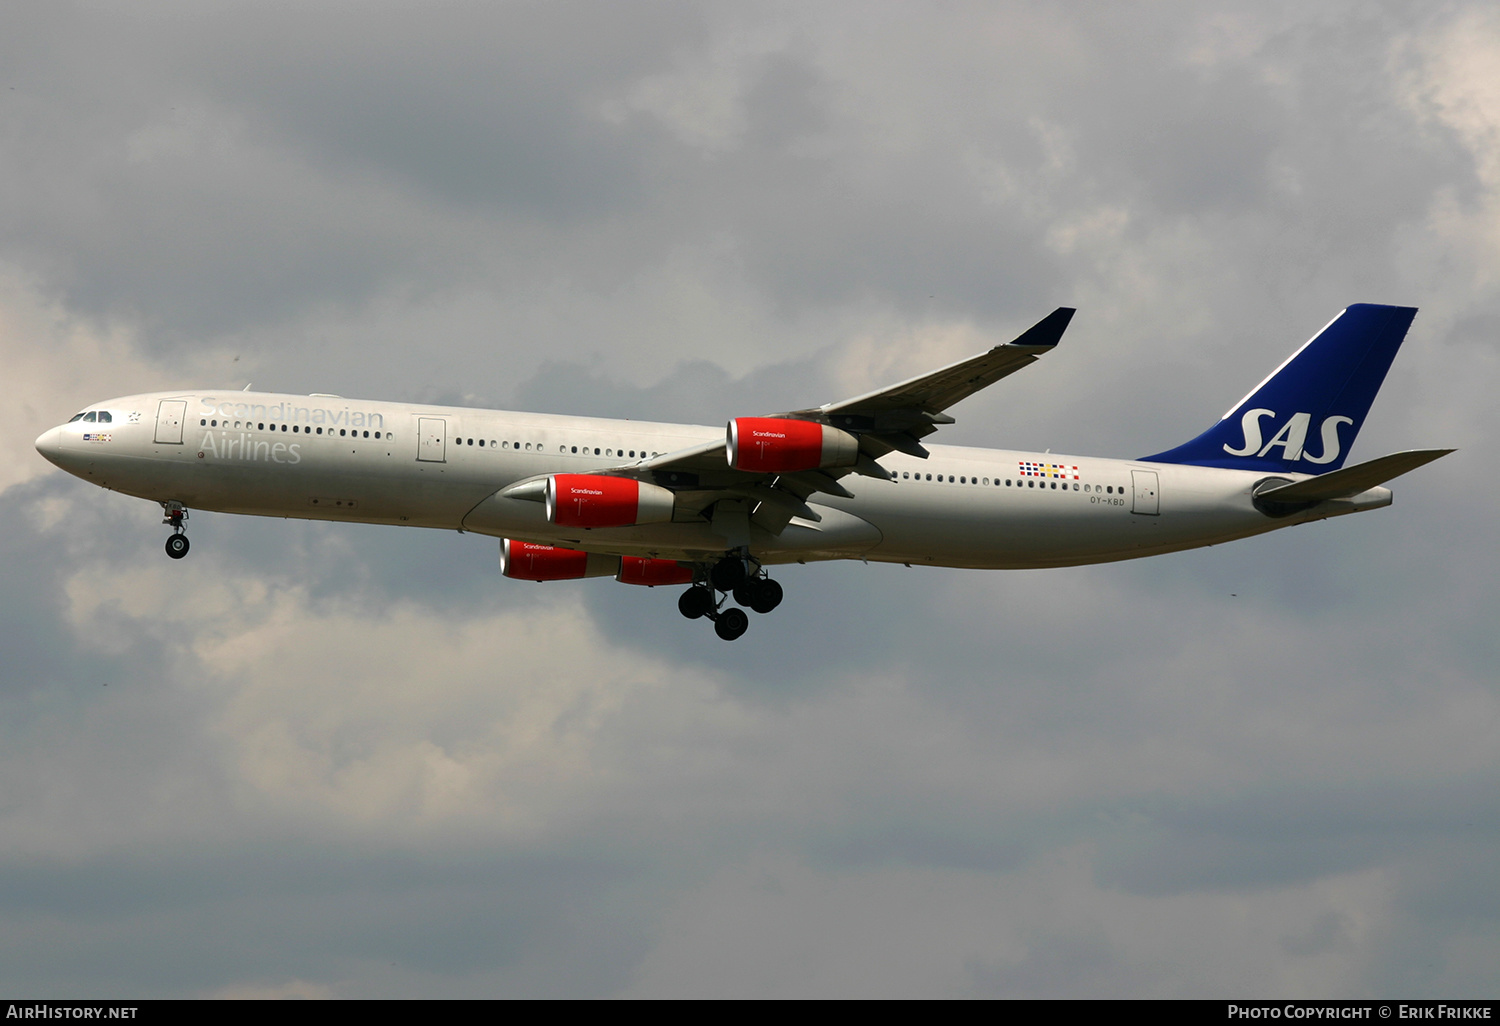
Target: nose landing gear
x: 177, y: 541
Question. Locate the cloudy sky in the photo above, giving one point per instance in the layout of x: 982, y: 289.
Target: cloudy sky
x: 354, y: 761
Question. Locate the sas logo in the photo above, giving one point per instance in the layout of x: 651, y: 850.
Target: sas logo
x: 1292, y: 437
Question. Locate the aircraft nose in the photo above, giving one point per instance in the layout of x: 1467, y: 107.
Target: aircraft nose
x: 49, y: 444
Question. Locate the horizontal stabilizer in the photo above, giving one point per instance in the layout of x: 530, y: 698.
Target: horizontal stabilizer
x: 1340, y: 484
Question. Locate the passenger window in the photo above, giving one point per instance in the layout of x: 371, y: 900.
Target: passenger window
x: 1030, y: 484
x: 377, y: 434
x: 575, y: 448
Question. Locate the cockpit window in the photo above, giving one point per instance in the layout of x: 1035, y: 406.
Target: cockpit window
x: 105, y: 418
x: 76, y: 416
x: 90, y: 417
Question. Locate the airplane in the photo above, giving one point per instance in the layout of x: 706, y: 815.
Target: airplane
x: 660, y: 504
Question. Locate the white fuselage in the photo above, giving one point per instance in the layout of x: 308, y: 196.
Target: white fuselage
x: 328, y: 458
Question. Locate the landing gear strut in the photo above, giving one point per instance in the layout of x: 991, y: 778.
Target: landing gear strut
x: 728, y: 573
x: 177, y: 542
x: 735, y: 575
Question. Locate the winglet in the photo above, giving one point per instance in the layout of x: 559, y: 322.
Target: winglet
x: 1049, y: 330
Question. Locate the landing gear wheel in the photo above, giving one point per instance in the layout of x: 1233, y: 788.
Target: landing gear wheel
x: 696, y: 602
x: 728, y: 573
x: 731, y: 624
x: 745, y: 591
x: 765, y: 597
x: 177, y: 545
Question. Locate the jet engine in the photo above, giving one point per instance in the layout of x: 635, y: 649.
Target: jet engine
x: 774, y: 445
x: 596, y: 500
x: 651, y: 572
x: 527, y: 561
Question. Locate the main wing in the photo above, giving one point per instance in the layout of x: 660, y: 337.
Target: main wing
x: 889, y: 419
x: 893, y: 418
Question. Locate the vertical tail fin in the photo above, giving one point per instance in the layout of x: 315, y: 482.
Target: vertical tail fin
x: 1304, y: 417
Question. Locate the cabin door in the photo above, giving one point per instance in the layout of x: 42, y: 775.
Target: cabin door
x: 169, y: 417
x: 432, y: 435
x: 1146, y: 500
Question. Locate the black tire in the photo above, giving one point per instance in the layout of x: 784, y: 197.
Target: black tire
x: 728, y: 573
x: 177, y: 545
x: 695, y: 602
x: 731, y: 624
x: 744, y: 592
x: 765, y: 597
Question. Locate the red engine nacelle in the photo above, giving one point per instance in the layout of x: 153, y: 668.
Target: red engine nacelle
x: 651, y: 572
x: 528, y: 561
x: 772, y: 445
x: 595, y: 500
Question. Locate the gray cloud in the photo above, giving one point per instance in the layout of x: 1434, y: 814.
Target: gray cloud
x: 336, y: 760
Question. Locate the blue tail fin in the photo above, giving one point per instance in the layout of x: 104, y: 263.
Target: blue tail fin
x: 1303, y: 418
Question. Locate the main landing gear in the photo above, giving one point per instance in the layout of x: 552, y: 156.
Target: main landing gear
x: 737, y: 576
x: 177, y: 542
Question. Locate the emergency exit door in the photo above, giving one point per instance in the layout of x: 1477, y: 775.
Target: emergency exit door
x: 432, y: 439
